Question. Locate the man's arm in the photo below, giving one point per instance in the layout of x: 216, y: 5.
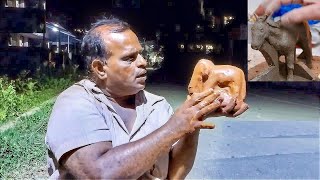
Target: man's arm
x: 131, y: 160
x: 100, y: 160
x: 183, y: 155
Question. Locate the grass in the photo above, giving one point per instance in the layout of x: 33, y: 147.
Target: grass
x: 27, y: 100
x: 37, y: 98
x: 22, y: 148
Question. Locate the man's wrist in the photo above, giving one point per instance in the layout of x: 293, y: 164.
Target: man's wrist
x: 190, y: 138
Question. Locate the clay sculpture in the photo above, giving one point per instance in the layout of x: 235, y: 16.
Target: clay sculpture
x: 228, y: 80
x: 284, y: 40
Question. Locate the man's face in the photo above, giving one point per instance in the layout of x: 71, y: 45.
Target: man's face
x: 125, y: 67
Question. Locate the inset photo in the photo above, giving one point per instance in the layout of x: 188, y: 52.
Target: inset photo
x: 282, y: 52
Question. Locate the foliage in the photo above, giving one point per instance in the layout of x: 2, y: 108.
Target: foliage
x: 22, y: 147
x: 22, y: 150
x: 8, y: 98
x: 23, y: 93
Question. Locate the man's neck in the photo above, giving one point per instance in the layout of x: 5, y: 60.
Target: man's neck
x: 123, y: 101
x: 127, y: 101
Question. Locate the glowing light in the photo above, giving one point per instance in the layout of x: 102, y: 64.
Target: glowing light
x: 227, y: 19
x: 54, y: 29
x: 209, y: 46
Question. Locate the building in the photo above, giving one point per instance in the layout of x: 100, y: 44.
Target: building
x: 22, y: 24
x: 26, y: 39
x: 26, y: 16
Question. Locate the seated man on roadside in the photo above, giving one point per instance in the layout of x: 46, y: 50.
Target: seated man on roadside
x: 109, y: 127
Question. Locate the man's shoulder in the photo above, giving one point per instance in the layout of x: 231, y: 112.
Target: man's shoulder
x: 76, y: 91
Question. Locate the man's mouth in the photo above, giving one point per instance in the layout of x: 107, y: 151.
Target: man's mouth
x: 142, y: 74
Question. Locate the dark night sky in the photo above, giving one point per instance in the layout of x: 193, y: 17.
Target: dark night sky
x: 150, y: 10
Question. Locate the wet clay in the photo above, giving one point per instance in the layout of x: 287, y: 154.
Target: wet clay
x: 283, y: 39
x: 228, y: 80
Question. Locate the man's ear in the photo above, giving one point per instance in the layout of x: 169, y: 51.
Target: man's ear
x: 98, y: 69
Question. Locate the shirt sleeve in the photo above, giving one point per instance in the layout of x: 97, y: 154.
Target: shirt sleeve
x: 75, y: 121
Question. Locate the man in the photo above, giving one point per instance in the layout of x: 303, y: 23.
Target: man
x: 109, y: 127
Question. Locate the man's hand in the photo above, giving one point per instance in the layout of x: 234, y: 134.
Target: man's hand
x: 190, y: 115
x: 311, y: 10
x: 229, y: 107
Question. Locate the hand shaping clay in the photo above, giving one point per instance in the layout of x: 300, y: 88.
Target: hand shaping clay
x: 284, y: 40
x: 228, y: 80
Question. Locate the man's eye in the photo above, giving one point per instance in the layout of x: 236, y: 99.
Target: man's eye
x: 129, y: 60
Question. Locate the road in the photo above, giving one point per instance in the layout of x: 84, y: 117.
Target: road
x: 277, y: 138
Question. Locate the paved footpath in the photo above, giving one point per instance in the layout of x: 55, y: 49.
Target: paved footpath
x: 278, y: 138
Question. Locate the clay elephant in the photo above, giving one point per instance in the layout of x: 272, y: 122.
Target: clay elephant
x: 284, y: 39
x: 228, y: 80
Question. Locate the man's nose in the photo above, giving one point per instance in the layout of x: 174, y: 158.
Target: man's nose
x: 141, y: 62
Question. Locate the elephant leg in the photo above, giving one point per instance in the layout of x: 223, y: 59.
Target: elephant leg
x: 290, y: 59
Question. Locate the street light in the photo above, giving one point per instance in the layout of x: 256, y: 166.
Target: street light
x: 54, y: 29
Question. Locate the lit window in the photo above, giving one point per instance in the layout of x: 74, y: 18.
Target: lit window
x: 21, y: 41
x: 10, y: 40
x: 21, y: 3
x: 178, y: 28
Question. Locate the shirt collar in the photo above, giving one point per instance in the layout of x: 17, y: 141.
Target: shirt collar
x: 144, y: 101
x: 142, y: 97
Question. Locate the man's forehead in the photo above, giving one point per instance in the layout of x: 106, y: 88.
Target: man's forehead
x: 126, y: 40
x: 106, y: 28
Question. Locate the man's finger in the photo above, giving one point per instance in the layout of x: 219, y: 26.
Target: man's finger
x: 213, y: 106
x: 238, y: 106
x: 203, y: 125
x: 268, y: 7
x: 243, y: 108
x: 261, y: 10
x: 229, y: 107
x: 198, y: 97
x: 208, y: 100
x: 310, y: 12
x: 276, y: 4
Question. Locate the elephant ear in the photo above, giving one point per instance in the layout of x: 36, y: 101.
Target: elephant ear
x: 272, y: 23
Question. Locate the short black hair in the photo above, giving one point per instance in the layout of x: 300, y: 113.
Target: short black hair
x: 93, y: 45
